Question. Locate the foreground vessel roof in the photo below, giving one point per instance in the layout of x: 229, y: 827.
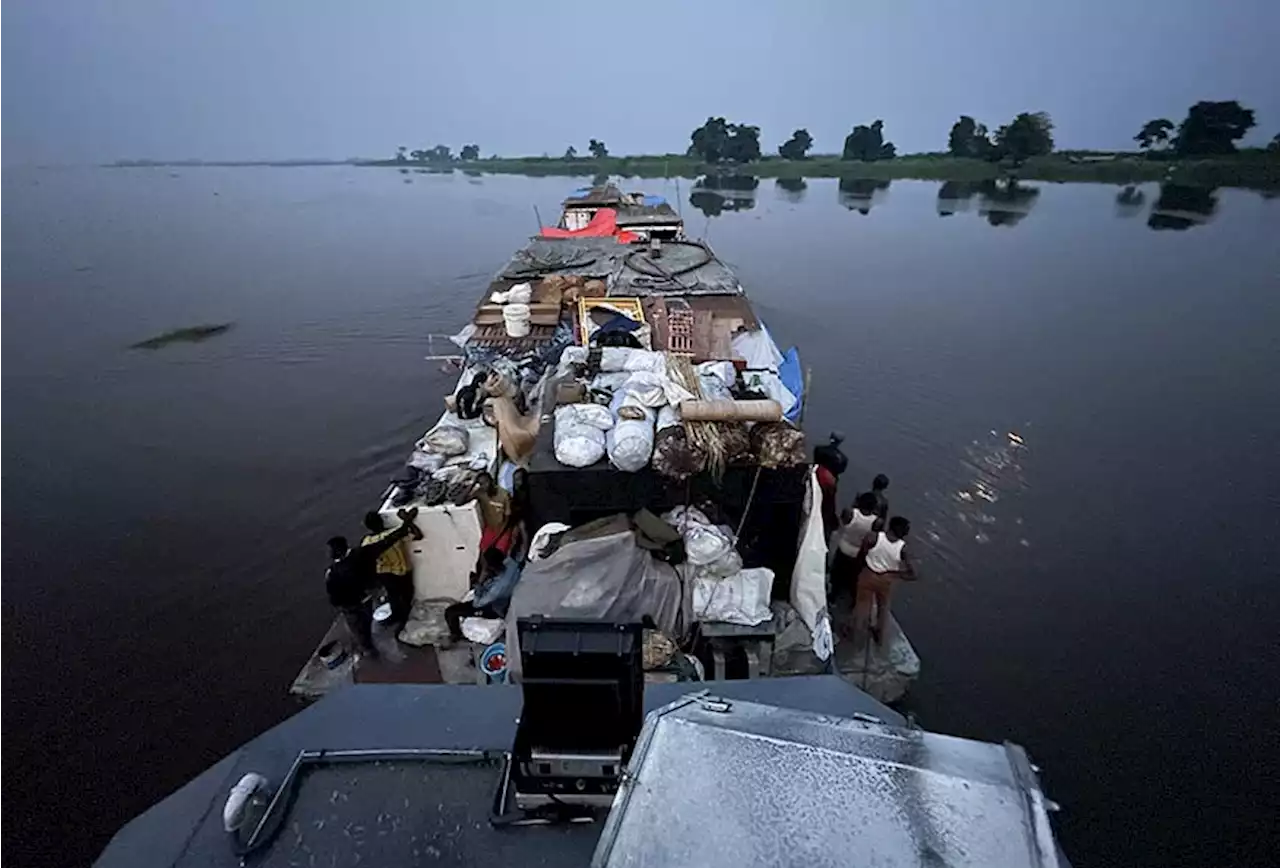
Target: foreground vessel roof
x: 388, y: 810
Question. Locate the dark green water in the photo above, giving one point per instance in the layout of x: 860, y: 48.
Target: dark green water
x: 1106, y: 596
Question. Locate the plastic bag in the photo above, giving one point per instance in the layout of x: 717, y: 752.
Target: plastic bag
x: 742, y: 598
x: 447, y: 440
x: 428, y: 461
x: 483, y: 631
x: 628, y: 359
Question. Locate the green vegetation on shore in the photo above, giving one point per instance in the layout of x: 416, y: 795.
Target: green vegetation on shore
x: 1201, y: 150
x: 189, y: 334
x: 1249, y: 169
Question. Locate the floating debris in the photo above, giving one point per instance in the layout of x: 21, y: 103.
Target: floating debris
x: 1015, y: 439
x: 190, y: 334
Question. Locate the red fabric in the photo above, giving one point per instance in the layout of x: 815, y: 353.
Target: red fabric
x: 498, y: 538
x: 826, y: 480
x: 602, y: 225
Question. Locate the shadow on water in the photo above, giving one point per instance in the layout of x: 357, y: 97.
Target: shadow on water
x: 860, y: 194
x: 715, y: 194
x: 791, y: 189
x: 188, y: 335
x: 1003, y: 203
x: 1180, y: 207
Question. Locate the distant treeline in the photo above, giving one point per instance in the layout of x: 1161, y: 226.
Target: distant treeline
x: 1209, y: 129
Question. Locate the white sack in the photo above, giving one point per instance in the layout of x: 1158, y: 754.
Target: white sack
x: 742, y: 598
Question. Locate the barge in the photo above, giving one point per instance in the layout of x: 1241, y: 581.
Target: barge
x: 585, y: 357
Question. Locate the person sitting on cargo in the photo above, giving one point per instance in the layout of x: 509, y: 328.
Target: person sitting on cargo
x: 495, y: 582
x: 856, y: 523
x: 392, y: 568
x: 886, y: 562
x: 352, y: 576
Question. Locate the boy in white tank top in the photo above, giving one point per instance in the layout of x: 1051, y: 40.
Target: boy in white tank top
x: 885, y: 556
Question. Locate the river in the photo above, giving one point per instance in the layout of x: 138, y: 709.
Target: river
x: 1104, y: 594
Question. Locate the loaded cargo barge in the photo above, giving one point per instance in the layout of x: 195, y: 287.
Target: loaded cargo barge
x: 614, y: 376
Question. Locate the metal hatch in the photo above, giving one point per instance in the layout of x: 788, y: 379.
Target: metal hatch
x: 718, y: 782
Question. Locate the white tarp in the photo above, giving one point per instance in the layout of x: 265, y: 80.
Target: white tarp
x: 808, y: 580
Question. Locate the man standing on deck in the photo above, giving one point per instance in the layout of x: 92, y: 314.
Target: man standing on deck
x: 392, y: 568
x: 352, y: 575
x: 885, y: 562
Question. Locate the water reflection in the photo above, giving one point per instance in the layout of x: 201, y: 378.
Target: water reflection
x: 1180, y: 207
x: 956, y: 196
x: 859, y: 194
x: 791, y: 189
x: 715, y: 194
x: 1003, y: 203
x: 1130, y: 201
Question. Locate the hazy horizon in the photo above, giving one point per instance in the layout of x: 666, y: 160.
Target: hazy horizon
x: 87, y: 82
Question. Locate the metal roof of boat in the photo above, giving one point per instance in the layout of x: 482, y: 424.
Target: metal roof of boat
x: 645, y: 215
x: 383, y: 813
x: 601, y: 195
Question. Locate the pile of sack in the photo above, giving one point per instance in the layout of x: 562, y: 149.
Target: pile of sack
x: 719, y: 586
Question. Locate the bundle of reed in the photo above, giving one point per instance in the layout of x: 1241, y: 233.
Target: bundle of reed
x: 704, y: 436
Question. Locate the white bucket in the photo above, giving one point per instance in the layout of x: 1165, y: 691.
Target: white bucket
x: 516, y: 319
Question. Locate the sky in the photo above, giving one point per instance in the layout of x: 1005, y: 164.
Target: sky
x: 88, y: 82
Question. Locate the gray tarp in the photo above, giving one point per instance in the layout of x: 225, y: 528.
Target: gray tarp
x: 606, y: 577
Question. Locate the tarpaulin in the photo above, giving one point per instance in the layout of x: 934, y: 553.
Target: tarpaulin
x: 602, y: 225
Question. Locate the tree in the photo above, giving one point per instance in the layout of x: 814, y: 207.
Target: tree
x: 1156, y: 132
x: 439, y: 154
x: 1027, y: 135
x: 719, y: 141
x: 1213, y: 128
x: 418, y: 156
x: 400, y: 157
x: 797, y: 146
x: 469, y: 152
x: 1274, y: 145
x: 969, y: 139
x: 867, y: 144
x: 597, y: 149
x: 570, y: 152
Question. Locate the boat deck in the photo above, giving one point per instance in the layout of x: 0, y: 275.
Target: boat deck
x: 397, y: 663
x: 407, y: 811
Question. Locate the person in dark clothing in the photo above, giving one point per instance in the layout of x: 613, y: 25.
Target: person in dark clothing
x: 353, y: 575
x: 392, y: 568
x: 498, y: 577
x: 831, y: 462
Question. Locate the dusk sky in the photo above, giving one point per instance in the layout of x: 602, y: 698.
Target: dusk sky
x: 94, y: 81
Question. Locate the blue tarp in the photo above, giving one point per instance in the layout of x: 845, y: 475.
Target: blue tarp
x: 792, y: 376
x: 654, y: 201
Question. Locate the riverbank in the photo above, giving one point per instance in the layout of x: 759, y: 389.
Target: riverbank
x: 1249, y: 170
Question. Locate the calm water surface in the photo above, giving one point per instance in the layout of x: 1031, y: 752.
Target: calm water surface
x: 1106, y: 595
